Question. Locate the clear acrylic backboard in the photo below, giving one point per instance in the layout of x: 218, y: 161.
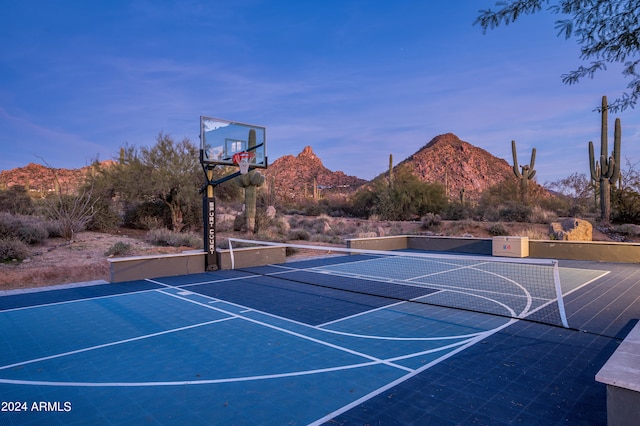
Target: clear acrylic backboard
x: 221, y: 139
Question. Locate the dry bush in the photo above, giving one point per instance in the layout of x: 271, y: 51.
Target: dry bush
x: 533, y: 234
x: 13, y: 249
x: 166, y: 237
x: 540, y: 215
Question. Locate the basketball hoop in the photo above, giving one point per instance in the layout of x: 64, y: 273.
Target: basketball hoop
x: 243, y: 159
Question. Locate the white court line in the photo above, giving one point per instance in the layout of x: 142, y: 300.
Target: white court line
x: 406, y: 377
x: 362, y: 336
x: 106, y: 345
x: 586, y: 283
x: 373, y: 360
x: 283, y: 330
x: 64, y: 302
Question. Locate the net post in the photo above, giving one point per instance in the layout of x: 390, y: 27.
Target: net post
x: 560, y: 298
x: 231, y: 256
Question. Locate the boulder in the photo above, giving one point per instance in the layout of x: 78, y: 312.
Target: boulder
x: 271, y: 212
x: 571, y: 230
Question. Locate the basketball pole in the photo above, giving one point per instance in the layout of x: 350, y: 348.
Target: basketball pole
x: 211, y: 262
x: 209, y: 216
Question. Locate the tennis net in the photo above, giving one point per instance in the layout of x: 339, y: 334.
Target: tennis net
x: 509, y: 287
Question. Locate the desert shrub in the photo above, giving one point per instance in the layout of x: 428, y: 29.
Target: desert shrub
x: 299, y: 234
x: 13, y: 249
x: 534, y: 234
x: 143, y: 215
x: 627, y: 229
x: 28, y: 229
x: 625, y: 206
x: 540, y: 215
x: 497, y: 229
x: 166, y: 237
x: 32, y: 233
x: 396, y: 229
x: 16, y: 200
x: 407, y: 199
x: 324, y: 238
x: 105, y: 218
x: 457, y: 211
x: 513, y: 212
x: 119, y: 248
x: 431, y: 221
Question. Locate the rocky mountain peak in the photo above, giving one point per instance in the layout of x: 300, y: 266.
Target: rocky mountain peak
x: 457, y: 165
x: 308, y: 152
x: 304, y: 175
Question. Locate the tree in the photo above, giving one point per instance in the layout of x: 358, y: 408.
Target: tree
x: 608, y: 31
x: 408, y: 198
x: 168, y: 172
x: 575, y: 191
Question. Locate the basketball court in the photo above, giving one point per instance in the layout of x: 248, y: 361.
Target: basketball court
x: 306, y: 343
x: 335, y: 336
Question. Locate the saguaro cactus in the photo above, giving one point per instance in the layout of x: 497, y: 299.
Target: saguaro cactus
x: 250, y: 182
x: 524, y: 173
x: 606, y: 172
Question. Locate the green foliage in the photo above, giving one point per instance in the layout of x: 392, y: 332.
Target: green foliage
x: 457, y: 211
x: 168, y: 172
x: 626, y: 206
x: 118, y: 249
x: 299, y: 234
x: 16, y: 200
x: 524, y: 173
x: 606, y: 172
x: 250, y: 181
x: 573, y: 195
x: 431, y: 221
x: 105, y: 217
x: 497, y: 230
x: 13, y: 249
x: 514, y: 212
x: 147, y: 215
x: 606, y: 31
x: 409, y: 198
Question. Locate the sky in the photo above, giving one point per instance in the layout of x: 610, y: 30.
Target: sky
x: 357, y: 80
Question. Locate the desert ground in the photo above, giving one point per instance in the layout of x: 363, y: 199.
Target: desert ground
x: 85, y: 259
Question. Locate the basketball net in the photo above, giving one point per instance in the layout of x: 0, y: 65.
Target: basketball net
x: 243, y: 159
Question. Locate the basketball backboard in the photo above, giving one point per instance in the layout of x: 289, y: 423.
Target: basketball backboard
x: 221, y: 139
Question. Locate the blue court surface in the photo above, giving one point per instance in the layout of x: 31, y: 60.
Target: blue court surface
x: 305, y: 343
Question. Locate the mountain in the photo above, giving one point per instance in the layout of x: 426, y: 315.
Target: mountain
x: 39, y: 179
x: 295, y: 177
x: 457, y: 165
x: 446, y: 159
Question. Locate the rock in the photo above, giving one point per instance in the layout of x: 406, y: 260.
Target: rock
x: 571, y: 230
x: 223, y: 218
x: 271, y: 212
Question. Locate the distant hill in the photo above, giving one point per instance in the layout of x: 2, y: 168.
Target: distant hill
x: 41, y: 180
x: 457, y: 165
x: 294, y: 177
x: 446, y: 159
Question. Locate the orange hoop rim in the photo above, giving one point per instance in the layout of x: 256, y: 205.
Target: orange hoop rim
x: 244, y: 155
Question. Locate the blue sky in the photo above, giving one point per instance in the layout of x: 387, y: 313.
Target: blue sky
x: 356, y: 80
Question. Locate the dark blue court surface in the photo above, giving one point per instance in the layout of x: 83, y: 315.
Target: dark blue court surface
x: 305, y: 343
